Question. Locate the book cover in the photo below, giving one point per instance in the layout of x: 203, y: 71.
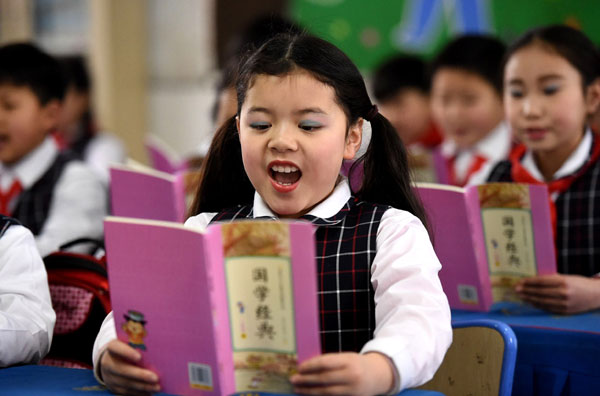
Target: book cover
x: 487, y: 238
x: 142, y: 192
x: 162, y: 157
x: 231, y: 309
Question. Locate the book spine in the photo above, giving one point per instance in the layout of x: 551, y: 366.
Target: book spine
x: 542, y: 230
x: 220, y: 308
x: 478, y: 242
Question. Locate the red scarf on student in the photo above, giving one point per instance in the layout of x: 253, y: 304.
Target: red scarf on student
x: 521, y: 175
x: 476, y: 163
x: 6, y: 197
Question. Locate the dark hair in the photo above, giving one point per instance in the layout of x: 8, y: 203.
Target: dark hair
x: 75, y: 72
x: 226, y: 80
x: 571, y: 44
x: 397, y: 73
x: 24, y: 64
x: 478, y: 54
x: 386, y: 173
x: 258, y: 32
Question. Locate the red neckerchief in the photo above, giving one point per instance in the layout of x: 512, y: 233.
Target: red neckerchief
x: 521, y: 175
x: 476, y: 163
x: 6, y: 197
x: 431, y: 138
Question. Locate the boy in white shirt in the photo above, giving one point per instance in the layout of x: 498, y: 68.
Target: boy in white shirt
x: 57, y: 198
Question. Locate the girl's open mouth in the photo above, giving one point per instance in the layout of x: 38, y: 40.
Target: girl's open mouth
x: 284, y: 176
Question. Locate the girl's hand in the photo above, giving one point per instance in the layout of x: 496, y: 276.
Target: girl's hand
x: 564, y: 294
x: 344, y: 374
x: 121, y: 374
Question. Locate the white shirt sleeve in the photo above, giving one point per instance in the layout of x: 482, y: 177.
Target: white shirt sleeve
x: 79, y: 204
x: 412, y: 314
x: 26, y: 314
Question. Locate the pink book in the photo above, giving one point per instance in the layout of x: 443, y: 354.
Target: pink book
x: 162, y: 157
x: 145, y: 193
x: 230, y: 309
x: 487, y: 237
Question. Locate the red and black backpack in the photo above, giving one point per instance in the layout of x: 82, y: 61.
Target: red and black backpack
x: 80, y: 298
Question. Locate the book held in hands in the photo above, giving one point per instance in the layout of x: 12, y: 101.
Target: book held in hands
x: 487, y: 238
x: 229, y: 309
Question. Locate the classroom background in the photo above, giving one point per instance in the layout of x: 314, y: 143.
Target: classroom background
x: 155, y: 63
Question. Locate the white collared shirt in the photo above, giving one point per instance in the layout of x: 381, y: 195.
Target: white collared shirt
x: 494, y: 147
x: 411, y: 310
x: 104, y: 150
x: 26, y: 314
x: 575, y: 161
x: 79, y: 200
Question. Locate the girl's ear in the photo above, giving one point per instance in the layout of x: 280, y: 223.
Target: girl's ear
x: 353, y: 139
x: 237, y: 125
x: 592, y: 98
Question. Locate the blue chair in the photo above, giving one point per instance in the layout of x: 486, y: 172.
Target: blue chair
x: 480, y: 361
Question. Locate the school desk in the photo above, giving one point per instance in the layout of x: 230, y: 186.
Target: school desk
x: 45, y: 380
x: 556, y: 354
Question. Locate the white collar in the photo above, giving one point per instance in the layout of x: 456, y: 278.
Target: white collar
x: 329, y: 207
x: 575, y: 161
x: 494, y: 146
x: 32, y: 166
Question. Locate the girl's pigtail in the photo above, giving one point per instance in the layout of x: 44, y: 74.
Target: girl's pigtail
x: 224, y: 183
x: 386, y: 173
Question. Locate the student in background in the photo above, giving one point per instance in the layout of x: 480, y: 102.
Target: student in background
x: 57, y: 198
x: 77, y: 129
x: 301, y: 107
x: 551, y: 88
x: 26, y: 314
x: 401, y: 87
x: 466, y: 102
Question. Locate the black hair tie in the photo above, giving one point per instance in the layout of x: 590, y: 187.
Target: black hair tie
x: 373, y: 111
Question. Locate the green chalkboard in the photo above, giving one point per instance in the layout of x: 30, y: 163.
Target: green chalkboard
x: 371, y: 30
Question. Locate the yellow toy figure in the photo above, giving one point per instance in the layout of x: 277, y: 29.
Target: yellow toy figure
x: 134, y: 327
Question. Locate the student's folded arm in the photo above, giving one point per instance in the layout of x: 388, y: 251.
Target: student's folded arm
x: 26, y: 315
x: 78, y: 207
x: 412, y: 313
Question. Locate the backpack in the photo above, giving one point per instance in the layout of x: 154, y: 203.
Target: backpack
x: 80, y: 298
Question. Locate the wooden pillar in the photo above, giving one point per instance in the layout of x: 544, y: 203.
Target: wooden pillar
x: 118, y: 57
x: 16, y: 21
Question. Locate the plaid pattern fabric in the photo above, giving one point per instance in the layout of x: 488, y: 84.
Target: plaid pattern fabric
x: 578, y: 221
x: 346, y: 247
x: 33, y: 204
x: 6, y: 222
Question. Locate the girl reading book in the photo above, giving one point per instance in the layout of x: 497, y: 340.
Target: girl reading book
x: 385, y: 321
x: 551, y: 88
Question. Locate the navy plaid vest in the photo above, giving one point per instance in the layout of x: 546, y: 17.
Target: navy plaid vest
x: 578, y: 220
x: 34, y: 203
x: 346, y: 247
x: 6, y: 222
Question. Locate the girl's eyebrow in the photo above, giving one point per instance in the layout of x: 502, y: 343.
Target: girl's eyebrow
x: 550, y: 77
x: 256, y: 109
x: 519, y: 81
x: 311, y: 110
